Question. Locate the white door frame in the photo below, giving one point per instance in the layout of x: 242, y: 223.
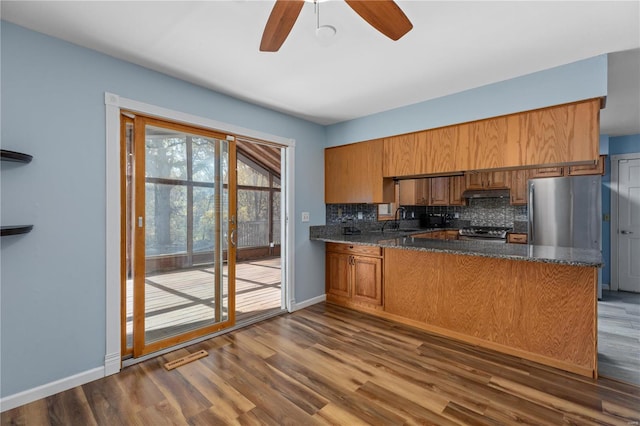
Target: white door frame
x: 614, y: 214
x: 113, y: 104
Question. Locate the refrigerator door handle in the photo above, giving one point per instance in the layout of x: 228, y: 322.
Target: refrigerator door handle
x: 531, y: 211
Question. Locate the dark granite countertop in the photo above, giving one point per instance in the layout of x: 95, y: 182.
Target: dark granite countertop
x: 524, y: 252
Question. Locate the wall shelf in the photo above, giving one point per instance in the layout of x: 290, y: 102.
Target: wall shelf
x: 17, y: 157
x: 15, y: 230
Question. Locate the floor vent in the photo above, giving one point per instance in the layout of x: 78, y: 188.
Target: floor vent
x: 185, y: 359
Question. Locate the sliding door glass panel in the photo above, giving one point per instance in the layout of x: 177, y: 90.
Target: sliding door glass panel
x: 186, y: 228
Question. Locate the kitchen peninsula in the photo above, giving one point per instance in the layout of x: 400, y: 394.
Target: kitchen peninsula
x: 535, y: 302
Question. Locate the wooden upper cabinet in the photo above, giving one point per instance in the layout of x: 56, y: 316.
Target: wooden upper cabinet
x: 414, y: 192
x: 447, y: 148
x: 403, y: 156
x: 547, y: 172
x: 487, y: 180
x: 488, y: 140
x: 562, y: 134
x: 589, y: 169
x: 498, y: 180
x: 441, y: 150
x: 353, y: 174
x: 456, y: 188
x: 439, y: 191
x: 519, y: 191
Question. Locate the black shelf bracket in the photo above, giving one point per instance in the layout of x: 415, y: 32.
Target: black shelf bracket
x: 15, y: 230
x: 17, y: 157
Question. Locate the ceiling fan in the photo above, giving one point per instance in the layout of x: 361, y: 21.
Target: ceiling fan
x: 383, y: 15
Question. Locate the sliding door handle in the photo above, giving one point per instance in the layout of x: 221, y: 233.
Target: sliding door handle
x: 233, y: 238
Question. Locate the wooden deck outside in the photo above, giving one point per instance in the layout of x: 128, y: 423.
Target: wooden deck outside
x: 184, y: 300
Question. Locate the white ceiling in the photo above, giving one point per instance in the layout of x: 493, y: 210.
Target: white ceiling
x: 454, y: 46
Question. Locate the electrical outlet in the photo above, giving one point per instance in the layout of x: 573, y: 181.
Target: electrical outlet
x: 305, y: 216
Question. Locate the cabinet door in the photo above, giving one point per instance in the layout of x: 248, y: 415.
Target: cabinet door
x: 404, y: 156
x: 473, y: 180
x: 407, y: 195
x: 338, y: 274
x: 517, y: 238
x: 413, y: 192
x: 563, y: 133
x: 451, y: 235
x: 488, y: 140
x: 496, y: 180
x: 456, y: 188
x: 590, y: 169
x: 519, y: 191
x: 439, y: 191
x: 353, y: 174
x: 367, y: 280
x: 422, y: 192
x: 547, y: 172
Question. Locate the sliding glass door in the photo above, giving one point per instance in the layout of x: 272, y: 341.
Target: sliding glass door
x: 179, y: 232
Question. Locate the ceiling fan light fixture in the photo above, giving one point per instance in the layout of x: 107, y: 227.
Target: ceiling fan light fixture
x: 325, y: 32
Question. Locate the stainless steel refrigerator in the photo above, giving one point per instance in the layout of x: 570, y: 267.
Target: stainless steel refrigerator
x: 565, y: 212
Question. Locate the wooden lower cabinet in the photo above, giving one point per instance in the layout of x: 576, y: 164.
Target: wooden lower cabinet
x: 542, y: 312
x: 354, y: 275
x: 517, y: 238
x: 448, y: 234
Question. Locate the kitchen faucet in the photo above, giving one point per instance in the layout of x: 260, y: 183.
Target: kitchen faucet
x: 396, y: 220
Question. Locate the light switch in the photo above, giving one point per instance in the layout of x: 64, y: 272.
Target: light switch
x: 360, y: 216
x: 305, y: 216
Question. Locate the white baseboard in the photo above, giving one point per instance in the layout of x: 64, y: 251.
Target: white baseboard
x: 43, y: 391
x: 307, y: 303
x: 112, y: 363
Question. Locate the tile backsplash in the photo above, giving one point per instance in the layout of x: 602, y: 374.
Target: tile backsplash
x: 479, y: 212
x: 349, y: 213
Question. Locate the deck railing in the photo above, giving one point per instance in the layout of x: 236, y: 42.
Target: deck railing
x: 256, y: 234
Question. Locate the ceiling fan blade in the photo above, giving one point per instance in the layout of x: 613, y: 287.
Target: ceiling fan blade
x: 384, y: 15
x: 281, y: 20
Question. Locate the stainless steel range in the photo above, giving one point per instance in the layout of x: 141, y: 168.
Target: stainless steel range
x: 484, y: 233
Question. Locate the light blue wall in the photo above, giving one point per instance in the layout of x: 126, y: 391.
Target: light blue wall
x: 53, y: 279
x: 573, y: 82
x: 624, y: 144
x: 614, y: 145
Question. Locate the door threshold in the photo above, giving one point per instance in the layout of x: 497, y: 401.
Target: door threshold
x: 247, y: 322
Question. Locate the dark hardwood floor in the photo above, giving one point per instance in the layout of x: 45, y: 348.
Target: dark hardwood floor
x: 329, y: 365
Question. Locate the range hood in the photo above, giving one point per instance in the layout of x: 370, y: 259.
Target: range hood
x: 486, y: 193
